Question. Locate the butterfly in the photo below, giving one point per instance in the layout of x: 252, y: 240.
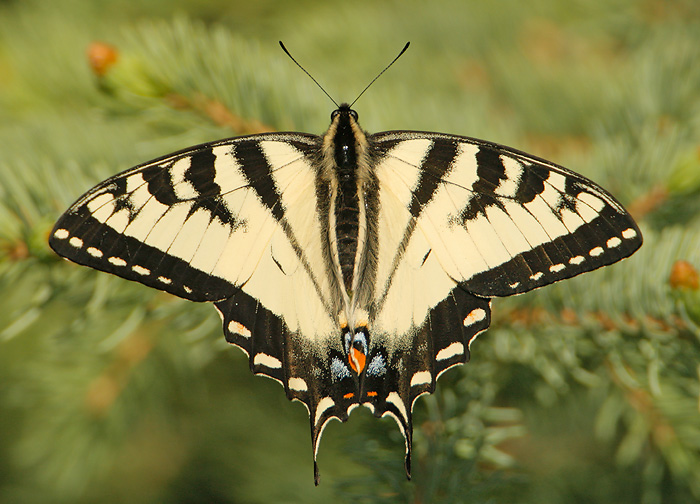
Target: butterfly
x: 352, y: 268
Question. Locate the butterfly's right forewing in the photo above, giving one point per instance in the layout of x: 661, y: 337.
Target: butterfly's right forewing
x: 499, y: 221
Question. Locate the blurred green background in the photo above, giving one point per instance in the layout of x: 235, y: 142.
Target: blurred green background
x: 583, y: 392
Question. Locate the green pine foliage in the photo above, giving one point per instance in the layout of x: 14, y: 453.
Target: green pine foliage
x: 586, y: 391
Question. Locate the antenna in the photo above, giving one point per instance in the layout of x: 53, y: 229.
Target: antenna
x: 380, y: 73
x: 366, y: 87
x: 307, y: 73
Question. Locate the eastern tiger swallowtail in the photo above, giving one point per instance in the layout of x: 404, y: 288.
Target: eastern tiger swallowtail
x: 352, y: 268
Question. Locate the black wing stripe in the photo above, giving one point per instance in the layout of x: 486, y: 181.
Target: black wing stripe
x: 160, y: 184
x: 433, y: 167
x: 254, y: 165
x: 490, y: 172
x: 435, y: 164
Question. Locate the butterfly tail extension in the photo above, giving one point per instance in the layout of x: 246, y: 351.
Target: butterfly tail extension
x: 330, y: 398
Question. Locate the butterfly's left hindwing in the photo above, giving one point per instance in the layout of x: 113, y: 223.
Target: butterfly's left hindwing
x: 316, y: 375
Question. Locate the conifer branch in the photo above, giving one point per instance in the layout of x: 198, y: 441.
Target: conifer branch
x: 218, y: 113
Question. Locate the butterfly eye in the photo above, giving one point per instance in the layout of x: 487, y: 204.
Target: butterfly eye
x: 334, y: 114
x: 353, y: 114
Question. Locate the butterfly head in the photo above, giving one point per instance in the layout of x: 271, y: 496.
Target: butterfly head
x: 342, y: 112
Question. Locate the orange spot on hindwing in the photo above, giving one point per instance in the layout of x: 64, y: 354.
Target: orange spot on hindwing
x: 357, y: 360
